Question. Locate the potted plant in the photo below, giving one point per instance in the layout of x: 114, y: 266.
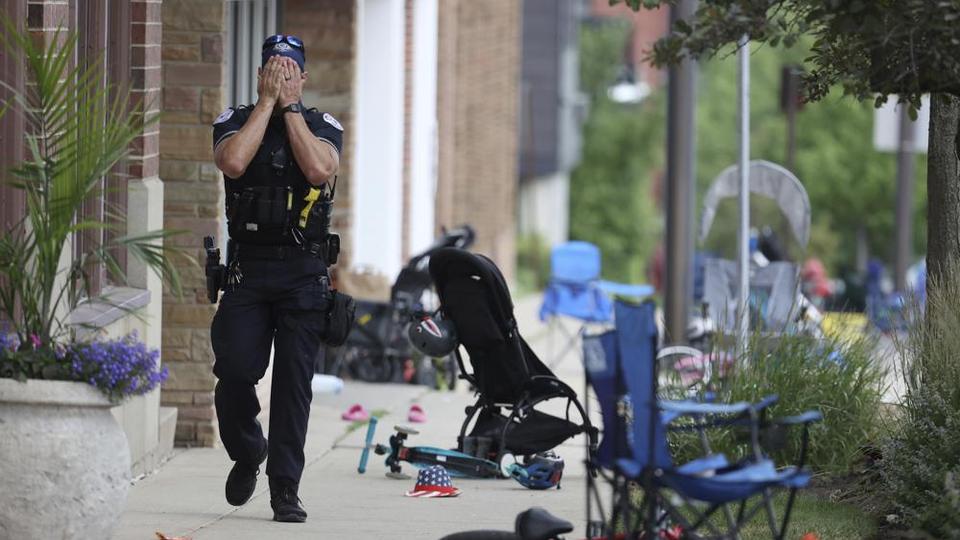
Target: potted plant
x: 65, y: 462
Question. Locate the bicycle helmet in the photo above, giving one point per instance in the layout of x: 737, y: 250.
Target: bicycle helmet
x: 433, y: 337
x: 541, y: 471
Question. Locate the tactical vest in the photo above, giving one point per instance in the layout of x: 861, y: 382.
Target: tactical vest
x: 272, y: 203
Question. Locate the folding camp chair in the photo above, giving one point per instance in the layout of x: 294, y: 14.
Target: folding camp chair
x: 634, y: 450
x: 576, y: 291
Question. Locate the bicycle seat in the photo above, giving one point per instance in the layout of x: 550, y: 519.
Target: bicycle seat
x: 538, y: 524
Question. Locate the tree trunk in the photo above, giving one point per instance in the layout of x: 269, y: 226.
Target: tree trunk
x: 943, y: 186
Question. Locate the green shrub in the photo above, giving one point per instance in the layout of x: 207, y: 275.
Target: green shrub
x: 806, y: 374
x: 921, y: 461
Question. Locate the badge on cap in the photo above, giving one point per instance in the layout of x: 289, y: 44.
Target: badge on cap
x: 282, y: 47
x: 224, y: 116
x: 328, y: 118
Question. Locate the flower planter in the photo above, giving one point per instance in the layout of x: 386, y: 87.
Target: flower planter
x: 64, y: 461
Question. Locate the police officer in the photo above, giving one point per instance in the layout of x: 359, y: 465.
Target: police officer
x: 278, y: 161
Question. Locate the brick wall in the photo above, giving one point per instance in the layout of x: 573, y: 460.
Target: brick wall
x: 193, y: 90
x: 328, y: 29
x: 44, y: 16
x: 478, y: 82
x: 145, y: 36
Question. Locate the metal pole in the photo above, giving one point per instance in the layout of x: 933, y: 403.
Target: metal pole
x: 904, y: 212
x: 791, y: 92
x: 743, y: 111
x: 681, y: 127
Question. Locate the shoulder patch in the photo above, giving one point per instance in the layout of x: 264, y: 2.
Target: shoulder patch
x: 224, y: 116
x: 328, y: 118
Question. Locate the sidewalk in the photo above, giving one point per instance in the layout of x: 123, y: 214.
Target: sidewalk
x: 185, y: 497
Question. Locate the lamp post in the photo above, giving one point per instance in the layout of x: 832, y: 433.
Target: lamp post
x: 681, y: 124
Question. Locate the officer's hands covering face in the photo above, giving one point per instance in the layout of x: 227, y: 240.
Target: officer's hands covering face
x: 291, y: 89
x: 270, y: 79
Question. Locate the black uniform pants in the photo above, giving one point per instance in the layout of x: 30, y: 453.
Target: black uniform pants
x: 279, y: 304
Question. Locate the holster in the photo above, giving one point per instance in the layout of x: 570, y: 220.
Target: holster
x: 216, y: 273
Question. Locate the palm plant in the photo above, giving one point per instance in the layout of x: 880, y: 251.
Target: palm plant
x: 76, y: 131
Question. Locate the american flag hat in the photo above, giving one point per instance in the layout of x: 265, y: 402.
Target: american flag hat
x: 434, y: 481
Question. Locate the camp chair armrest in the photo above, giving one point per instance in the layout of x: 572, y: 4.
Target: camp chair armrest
x: 625, y: 289
x: 689, y: 407
x: 804, y: 418
x: 684, y: 408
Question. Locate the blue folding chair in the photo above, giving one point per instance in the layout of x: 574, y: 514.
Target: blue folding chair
x: 634, y: 450
x: 576, y: 291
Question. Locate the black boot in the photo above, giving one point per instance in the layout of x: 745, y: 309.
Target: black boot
x: 285, y: 503
x: 242, y: 480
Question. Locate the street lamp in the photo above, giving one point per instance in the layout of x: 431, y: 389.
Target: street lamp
x: 626, y: 91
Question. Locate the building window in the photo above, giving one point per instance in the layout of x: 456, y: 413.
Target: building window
x: 103, y: 29
x: 250, y: 21
x: 11, y: 125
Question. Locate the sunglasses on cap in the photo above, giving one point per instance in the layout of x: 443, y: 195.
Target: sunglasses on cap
x: 293, y: 41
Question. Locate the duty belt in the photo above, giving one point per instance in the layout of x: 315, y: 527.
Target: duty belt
x: 276, y: 253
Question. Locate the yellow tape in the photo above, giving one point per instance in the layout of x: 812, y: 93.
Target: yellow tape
x: 311, y: 198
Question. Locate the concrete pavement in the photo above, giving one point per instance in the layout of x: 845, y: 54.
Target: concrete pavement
x: 185, y: 497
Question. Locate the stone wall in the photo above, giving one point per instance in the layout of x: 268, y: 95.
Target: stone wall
x: 479, y: 70
x: 193, y: 95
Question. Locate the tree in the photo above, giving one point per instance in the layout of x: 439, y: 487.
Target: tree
x: 611, y: 201
x: 871, y: 48
x: 851, y: 185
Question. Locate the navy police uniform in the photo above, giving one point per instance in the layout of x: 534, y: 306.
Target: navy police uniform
x: 275, y: 297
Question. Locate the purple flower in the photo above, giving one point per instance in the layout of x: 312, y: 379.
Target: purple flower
x: 35, y: 341
x: 8, y: 341
x: 120, y: 368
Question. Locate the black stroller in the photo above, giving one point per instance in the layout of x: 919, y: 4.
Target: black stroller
x: 509, y: 378
x: 377, y: 345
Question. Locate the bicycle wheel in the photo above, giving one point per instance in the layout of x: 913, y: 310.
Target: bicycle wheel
x: 367, y: 365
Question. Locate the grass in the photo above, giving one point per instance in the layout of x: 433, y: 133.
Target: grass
x: 813, y: 512
x: 828, y: 520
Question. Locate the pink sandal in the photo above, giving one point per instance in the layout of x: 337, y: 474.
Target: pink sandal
x: 416, y: 414
x: 356, y: 413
